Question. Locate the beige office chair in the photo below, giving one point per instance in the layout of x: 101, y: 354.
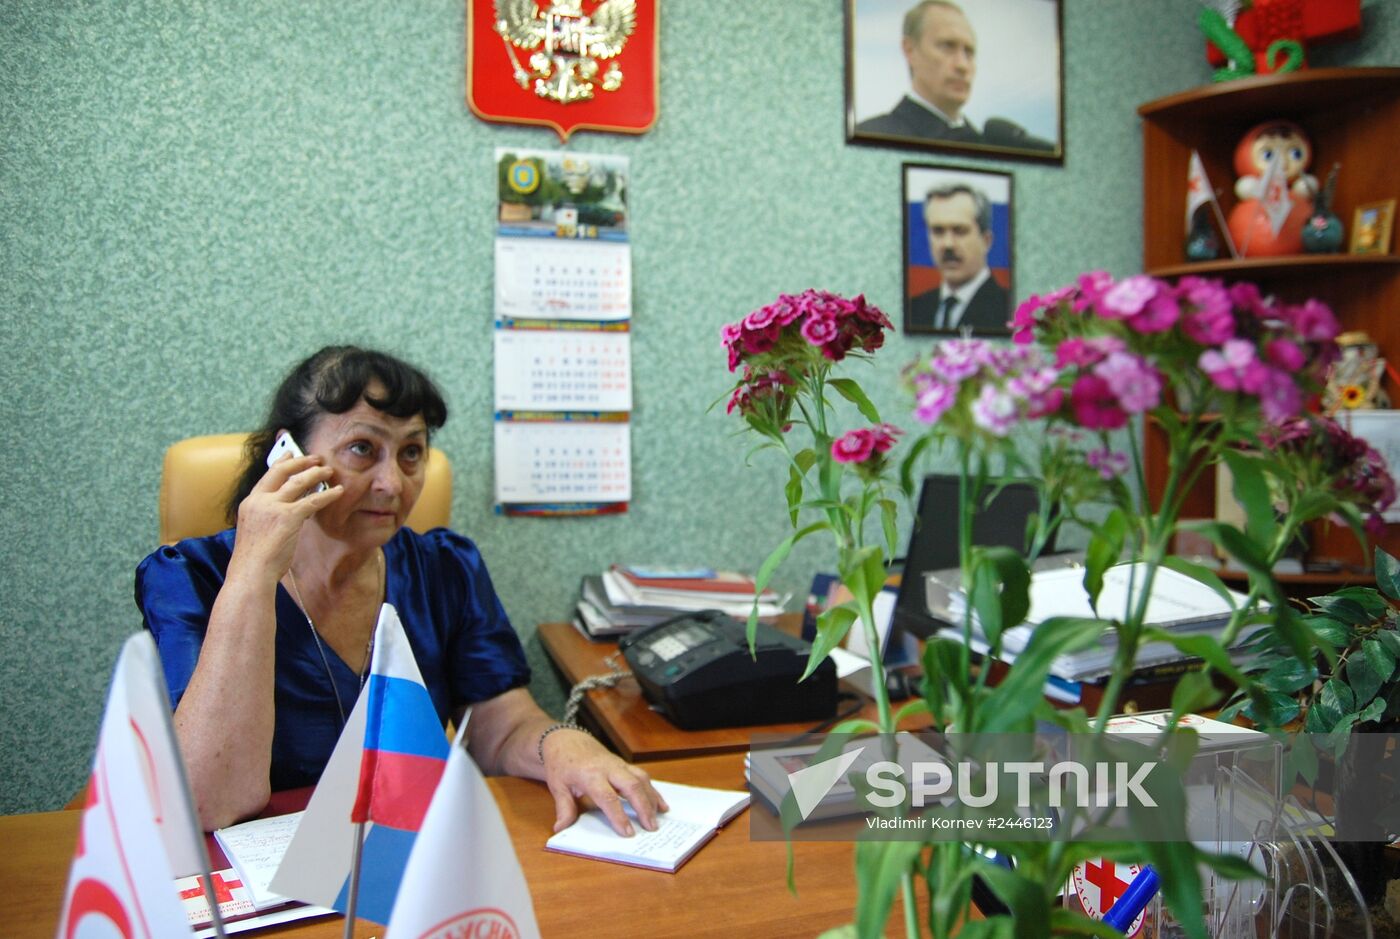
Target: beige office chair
x: 200, y: 472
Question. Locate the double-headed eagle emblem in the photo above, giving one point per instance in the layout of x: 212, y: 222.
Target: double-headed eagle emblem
x: 565, y: 45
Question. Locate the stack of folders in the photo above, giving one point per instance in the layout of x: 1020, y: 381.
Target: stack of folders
x: 1178, y: 603
x: 626, y: 598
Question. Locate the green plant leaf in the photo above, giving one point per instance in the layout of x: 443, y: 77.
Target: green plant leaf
x: 1065, y: 922
x: 909, y: 463
x: 1333, y: 701
x: 1368, y: 598
x: 1105, y: 547
x: 1301, y: 762
x: 832, y: 626
x: 1387, y: 574
x: 1362, y: 675
x: 1331, y: 631
x: 1000, y: 594
x: 1200, y: 646
x: 1201, y: 573
x: 1268, y: 709
x: 1287, y: 676
x: 1252, y: 492
x: 848, y: 389
x: 1371, y: 712
x: 793, y: 491
x: 889, y: 520
x: 1389, y: 638
x: 765, y: 574
x: 879, y: 866
x: 1344, y: 610
x: 1194, y: 692
x: 1381, y: 657
x: 1024, y: 685
x: 1029, y: 900
x: 1175, y: 862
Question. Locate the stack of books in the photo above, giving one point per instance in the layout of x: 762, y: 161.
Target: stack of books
x: 626, y: 598
x: 1178, y: 604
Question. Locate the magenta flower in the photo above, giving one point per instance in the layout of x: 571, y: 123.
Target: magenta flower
x: 994, y: 411
x: 933, y: 398
x: 1285, y: 354
x: 884, y: 435
x: 1127, y: 297
x: 1091, y: 287
x: 1094, y: 404
x: 1158, y: 315
x: 1085, y: 352
x: 958, y: 359
x: 854, y: 446
x: 761, y: 318
x: 1279, y: 397
x: 1134, y: 382
x: 1109, y: 463
x: 757, y: 342
x: 1228, y: 366
x: 1315, y: 321
x: 819, y: 330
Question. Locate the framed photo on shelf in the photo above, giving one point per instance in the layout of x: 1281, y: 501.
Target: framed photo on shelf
x: 1371, y: 226
x: 957, y: 250
x: 984, y: 78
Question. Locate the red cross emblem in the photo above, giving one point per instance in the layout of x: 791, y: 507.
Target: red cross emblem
x: 223, y: 889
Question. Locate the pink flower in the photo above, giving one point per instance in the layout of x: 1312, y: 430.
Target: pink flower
x: 1279, y: 397
x: 1091, y: 286
x: 1127, y: 297
x: 1315, y: 321
x: 757, y: 342
x: 1108, y: 462
x: 819, y: 330
x: 761, y: 318
x: 1209, y: 327
x: 1094, y: 404
x: 1134, y: 382
x: 854, y: 446
x: 884, y: 435
x: 1228, y: 366
x: 958, y: 359
x: 1159, y: 315
x: 1285, y: 354
x: 933, y: 399
x: 1085, y: 352
x: 994, y: 411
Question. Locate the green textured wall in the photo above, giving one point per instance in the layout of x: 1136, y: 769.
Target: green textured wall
x: 195, y: 194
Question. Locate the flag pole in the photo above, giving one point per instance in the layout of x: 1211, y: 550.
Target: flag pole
x: 206, y: 877
x: 1224, y: 228
x: 354, y: 880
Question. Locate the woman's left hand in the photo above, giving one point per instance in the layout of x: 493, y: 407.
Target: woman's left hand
x: 578, y: 767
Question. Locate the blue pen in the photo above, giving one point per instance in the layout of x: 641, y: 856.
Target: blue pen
x: 1134, y: 900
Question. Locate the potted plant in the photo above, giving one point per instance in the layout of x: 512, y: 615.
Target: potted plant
x: 1213, y: 365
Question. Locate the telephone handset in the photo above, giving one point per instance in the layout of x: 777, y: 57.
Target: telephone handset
x: 697, y: 670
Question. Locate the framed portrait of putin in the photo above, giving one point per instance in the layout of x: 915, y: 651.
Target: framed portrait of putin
x: 979, y: 77
x: 957, y: 251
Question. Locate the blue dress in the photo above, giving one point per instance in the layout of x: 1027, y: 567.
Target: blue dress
x: 465, y: 645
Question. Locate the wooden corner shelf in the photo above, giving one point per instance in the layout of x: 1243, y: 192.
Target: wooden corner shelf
x: 1353, y: 118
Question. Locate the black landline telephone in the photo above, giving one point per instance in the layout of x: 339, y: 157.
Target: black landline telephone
x: 697, y: 670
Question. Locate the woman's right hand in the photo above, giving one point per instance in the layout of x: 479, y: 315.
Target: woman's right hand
x: 271, y: 516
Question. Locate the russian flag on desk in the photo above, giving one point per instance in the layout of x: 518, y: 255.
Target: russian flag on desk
x: 383, y: 771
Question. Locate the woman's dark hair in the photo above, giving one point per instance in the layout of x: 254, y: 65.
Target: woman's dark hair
x: 332, y: 382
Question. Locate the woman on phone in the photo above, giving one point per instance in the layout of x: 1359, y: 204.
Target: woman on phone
x: 264, y: 629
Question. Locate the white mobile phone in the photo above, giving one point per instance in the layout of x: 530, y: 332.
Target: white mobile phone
x: 284, y: 446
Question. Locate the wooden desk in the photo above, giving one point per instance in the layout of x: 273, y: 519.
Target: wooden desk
x: 732, y: 887
x: 621, y: 715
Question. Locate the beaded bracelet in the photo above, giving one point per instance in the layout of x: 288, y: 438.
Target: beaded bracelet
x: 539, y: 747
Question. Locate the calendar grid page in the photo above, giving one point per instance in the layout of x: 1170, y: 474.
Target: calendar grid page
x: 539, y: 370
x: 563, y: 461
x: 558, y: 279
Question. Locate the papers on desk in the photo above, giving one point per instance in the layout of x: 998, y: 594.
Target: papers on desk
x: 696, y: 814
x: 1178, y: 603
x: 254, y: 849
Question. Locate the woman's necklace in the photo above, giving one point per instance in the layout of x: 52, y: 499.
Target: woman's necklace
x: 320, y: 646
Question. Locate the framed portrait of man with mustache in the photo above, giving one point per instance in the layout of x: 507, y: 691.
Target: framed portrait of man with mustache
x: 957, y: 251
x: 982, y: 77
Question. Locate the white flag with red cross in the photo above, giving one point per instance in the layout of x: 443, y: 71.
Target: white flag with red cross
x: 139, y: 829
